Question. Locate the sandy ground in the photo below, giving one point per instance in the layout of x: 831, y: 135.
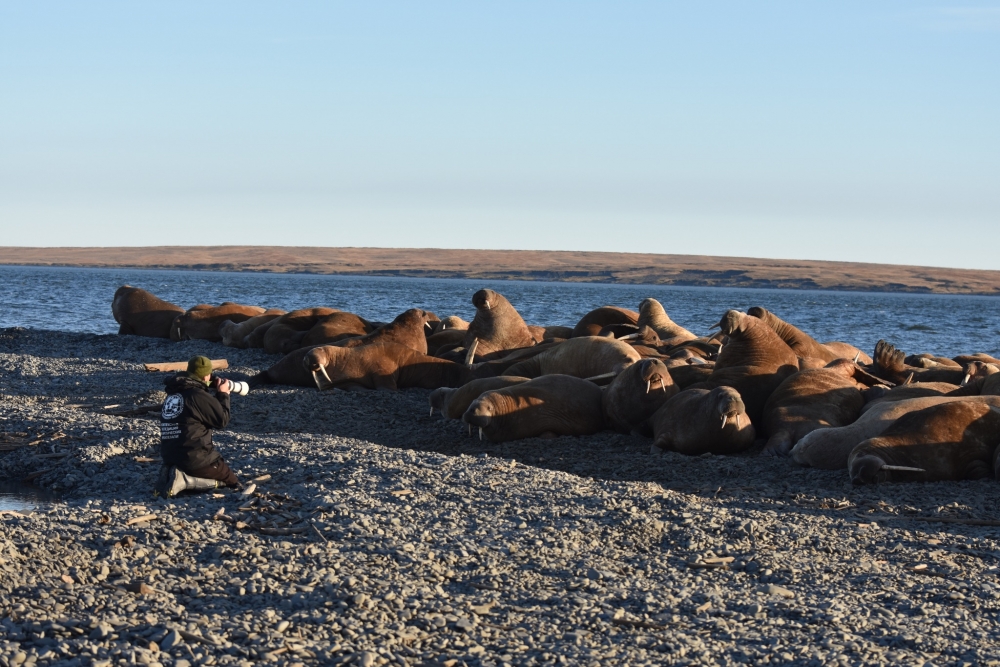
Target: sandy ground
x: 395, y: 538
x: 632, y: 268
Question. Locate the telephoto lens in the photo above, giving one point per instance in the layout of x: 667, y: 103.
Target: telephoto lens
x: 241, y: 388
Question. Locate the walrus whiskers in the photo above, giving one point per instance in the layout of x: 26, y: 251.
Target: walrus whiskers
x: 886, y: 466
x: 471, y: 354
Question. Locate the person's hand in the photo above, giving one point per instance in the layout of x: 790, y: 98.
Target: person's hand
x: 221, y: 385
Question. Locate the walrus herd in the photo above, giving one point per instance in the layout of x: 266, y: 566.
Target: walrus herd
x: 759, y: 380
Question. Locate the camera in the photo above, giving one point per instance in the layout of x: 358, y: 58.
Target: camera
x: 235, y: 386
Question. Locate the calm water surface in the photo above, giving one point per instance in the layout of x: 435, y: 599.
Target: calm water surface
x: 72, y: 299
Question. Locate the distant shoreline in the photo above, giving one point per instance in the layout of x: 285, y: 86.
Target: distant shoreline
x: 526, y: 265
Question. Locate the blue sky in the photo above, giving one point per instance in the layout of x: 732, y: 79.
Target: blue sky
x: 845, y: 131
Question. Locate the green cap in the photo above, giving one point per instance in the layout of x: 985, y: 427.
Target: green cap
x: 200, y: 367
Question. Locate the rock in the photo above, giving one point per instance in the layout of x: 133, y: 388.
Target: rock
x: 171, y: 641
x: 780, y: 591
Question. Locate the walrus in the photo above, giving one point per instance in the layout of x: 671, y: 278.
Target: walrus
x: 142, y: 313
x: 687, y: 375
x: 255, y: 339
x: 583, y: 357
x: 930, y: 361
x: 234, y: 335
x: 890, y: 363
x: 557, y: 331
x: 444, y: 341
x: 496, y: 327
x: 905, y: 392
x: 951, y: 441
x: 830, y: 448
x: 553, y: 404
x: 330, y: 329
x: 981, y: 379
x: 847, y: 351
x: 754, y: 362
x: 813, y: 399
x: 452, y: 322
x: 407, y: 329
x: 203, y: 323
x: 696, y: 421
x: 801, y: 343
x: 293, y: 325
x: 652, y: 314
x: 454, y: 401
x: 383, y: 365
x: 289, y: 370
x: 966, y: 359
x: 635, y: 394
x: 592, y: 323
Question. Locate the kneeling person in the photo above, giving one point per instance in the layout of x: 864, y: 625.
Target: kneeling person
x: 190, y: 413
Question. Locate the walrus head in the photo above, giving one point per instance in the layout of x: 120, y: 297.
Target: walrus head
x: 731, y: 322
x: 439, y: 399
x: 487, y: 299
x: 649, y: 308
x: 871, y: 469
x: 644, y: 335
x: 316, y: 361
x: 655, y: 374
x: 454, y: 322
x: 729, y: 406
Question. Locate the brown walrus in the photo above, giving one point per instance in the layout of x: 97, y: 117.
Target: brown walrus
x: 687, y: 375
x: 445, y: 341
x: 330, y: 329
x: 255, y: 339
x: 289, y: 370
x: 142, y: 313
x: 452, y: 322
x: 951, y: 441
x: 889, y: 363
x: 552, y: 404
x: 383, y: 365
x: 696, y: 421
x: 407, y: 329
x: 584, y: 357
x: 907, y: 391
x: 982, y: 379
x: 235, y: 335
x: 454, y: 401
x: 813, y: 399
x: 496, y: 327
x: 592, y: 323
x: 635, y: 394
x: 754, y: 362
x: 847, y: 351
x: 930, y: 361
x: 801, y: 343
x: 830, y: 448
x: 652, y: 315
x: 203, y: 323
x: 293, y: 325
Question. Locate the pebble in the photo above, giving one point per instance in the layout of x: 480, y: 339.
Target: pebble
x: 578, y: 551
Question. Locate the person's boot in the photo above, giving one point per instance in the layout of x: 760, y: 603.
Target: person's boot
x: 181, y: 481
x: 162, y: 487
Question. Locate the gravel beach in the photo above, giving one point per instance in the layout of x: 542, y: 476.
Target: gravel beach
x: 387, y: 536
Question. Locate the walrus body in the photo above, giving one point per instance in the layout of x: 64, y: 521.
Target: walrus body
x: 454, y: 401
x: 890, y: 364
x: 801, y: 343
x: 203, y: 323
x: 582, y: 357
x: 907, y: 391
x: 652, y: 314
x: 142, y: 313
x: 951, y: 441
x: 445, y: 341
x: 235, y: 334
x: 330, y: 329
x: 592, y: 323
x: 812, y: 399
x: 636, y: 394
x: 382, y: 366
x: 830, y: 448
x: 292, y: 326
x: 407, y: 329
x: 755, y: 362
x: 556, y: 404
x: 289, y: 370
x: 497, y: 327
x: 696, y: 421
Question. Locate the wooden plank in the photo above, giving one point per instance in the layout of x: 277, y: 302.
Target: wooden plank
x: 174, y: 366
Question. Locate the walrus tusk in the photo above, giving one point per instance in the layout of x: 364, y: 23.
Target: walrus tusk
x: 965, y: 380
x: 725, y: 418
x: 318, y: 385
x: 470, y: 430
x: 631, y: 336
x: 738, y: 422
x: 432, y: 411
x: 480, y: 432
x: 487, y: 304
x: 322, y: 369
x: 603, y: 376
x: 471, y: 354
x: 901, y: 468
x: 857, y: 356
x: 909, y: 379
x: 648, y: 383
x: 662, y: 386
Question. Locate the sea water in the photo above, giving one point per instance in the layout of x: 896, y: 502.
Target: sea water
x: 76, y: 299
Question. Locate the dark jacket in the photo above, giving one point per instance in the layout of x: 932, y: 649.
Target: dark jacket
x: 189, y: 414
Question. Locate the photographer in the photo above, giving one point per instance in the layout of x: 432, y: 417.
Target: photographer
x: 190, y: 413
